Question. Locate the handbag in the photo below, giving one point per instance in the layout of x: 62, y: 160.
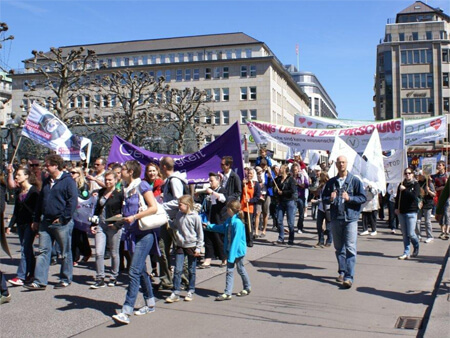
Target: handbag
x: 203, y: 214
x: 154, y: 221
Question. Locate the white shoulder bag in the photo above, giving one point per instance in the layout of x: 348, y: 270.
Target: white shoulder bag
x: 154, y: 221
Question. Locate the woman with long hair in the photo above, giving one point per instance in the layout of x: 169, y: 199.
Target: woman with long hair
x: 406, y: 207
x: 140, y: 242
x: 153, y: 177
x: 251, y: 193
x: 321, y: 215
x: 80, y: 240
x: 109, y: 204
x: 27, y: 195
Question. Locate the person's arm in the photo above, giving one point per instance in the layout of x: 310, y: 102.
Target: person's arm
x: 237, y: 187
x: 71, y: 202
x: 359, y: 196
x: 199, y: 231
x: 10, y: 180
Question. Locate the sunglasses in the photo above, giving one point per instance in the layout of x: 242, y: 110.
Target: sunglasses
x: 408, y: 173
x: 74, y: 172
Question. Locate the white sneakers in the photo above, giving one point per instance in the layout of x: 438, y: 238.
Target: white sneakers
x: 364, y: 233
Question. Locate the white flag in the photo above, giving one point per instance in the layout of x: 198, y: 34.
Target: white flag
x: 341, y: 148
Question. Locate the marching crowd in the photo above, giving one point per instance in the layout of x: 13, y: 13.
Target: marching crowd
x: 218, y: 220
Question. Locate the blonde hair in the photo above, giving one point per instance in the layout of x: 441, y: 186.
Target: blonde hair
x: 81, y: 181
x: 235, y: 207
x: 188, y: 200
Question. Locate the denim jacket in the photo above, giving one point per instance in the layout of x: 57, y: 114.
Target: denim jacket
x: 354, y: 187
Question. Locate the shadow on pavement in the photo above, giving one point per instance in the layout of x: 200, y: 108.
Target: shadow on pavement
x: 413, y: 298
x: 78, y: 302
x: 300, y: 275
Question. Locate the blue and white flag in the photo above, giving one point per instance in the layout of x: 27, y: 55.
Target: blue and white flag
x: 46, y: 129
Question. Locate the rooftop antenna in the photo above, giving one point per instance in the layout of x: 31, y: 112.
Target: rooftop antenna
x: 298, y: 57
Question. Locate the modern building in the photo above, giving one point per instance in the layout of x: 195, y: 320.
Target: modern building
x: 412, y: 72
x: 321, y: 103
x: 243, y: 77
x: 5, y: 98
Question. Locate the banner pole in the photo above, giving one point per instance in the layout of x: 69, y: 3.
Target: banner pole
x: 15, y: 151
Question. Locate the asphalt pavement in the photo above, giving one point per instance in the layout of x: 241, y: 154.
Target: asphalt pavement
x: 294, y: 293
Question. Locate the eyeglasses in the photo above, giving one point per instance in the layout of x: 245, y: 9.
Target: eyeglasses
x: 97, y: 164
x: 74, y: 172
x: 408, y: 173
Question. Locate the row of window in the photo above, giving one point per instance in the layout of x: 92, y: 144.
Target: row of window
x: 416, y: 56
x: 417, y: 105
x: 415, y: 36
x: 417, y: 80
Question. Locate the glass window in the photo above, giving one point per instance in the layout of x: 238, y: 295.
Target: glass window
x: 429, y: 80
x: 208, y: 73
x: 226, y: 117
x: 429, y: 56
x: 162, y: 58
x: 445, y: 79
x: 410, y: 56
x: 135, y: 60
x: 430, y: 105
x: 243, y: 93
x: 209, y: 55
x: 196, y: 74
x: 252, y: 70
x: 79, y: 101
x: 253, y: 115
x: 180, y: 57
x: 127, y: 62
x: 199, y: 56
x: 190, y: 57
x: 445, y: 55
x: 168, y: 75
x: 225, y: 72
x: 217, y: 117
x: 404, y: 81
x: 109, y: 63
x: 416, y: 80
x: 187, y: 75
x: 415, y: 36
x: 403, y: 57
x: 105, y: 101
x: 429, y: 35
x: 446, y: 104
x: 159, y: 73
x: 252, y: 93
x: 172, y: 57
x: 153, y: 58
x: 243, y: 116
x: 86, y: 101
x: 243, y: 71
x: 216, y: 92
x: 208, y: 95
x: 416, y: 56
x: 404, y: 106
x: 238, y: 53
x: 401, y: 36
x: 424, y: 108
x: 113, y: 100
x: 248, y: 53
x: 151, y: 73
x: 118, y: 62
x: 410, y: 81
x: 225, y: 94
x: 423, y: 58
x: 179, y: 75
x: 217, y: 72
x: 229, y: 54
x: 144, y: 59
x: 423, y: 80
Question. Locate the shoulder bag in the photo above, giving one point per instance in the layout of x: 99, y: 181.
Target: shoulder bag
x: 154, y: 221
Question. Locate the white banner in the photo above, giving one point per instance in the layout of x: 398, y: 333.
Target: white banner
x: 46, y: 129
x: 85, y: 209
x: 429, y: 165
x: 394, y: 166
x: 374, y: 165
x: 323, y: 139
x: 417, y: 131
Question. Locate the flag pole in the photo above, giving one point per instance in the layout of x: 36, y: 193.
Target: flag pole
x: 15, y: 151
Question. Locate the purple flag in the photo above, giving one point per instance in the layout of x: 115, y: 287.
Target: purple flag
x: 197, y: 165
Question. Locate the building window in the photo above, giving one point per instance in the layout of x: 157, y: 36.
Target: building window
x: 208, y: 73
x: 243, y: 71
x: 445, y: 79
x: 118, y: 62
x: 180, y: 57
x: 445, y: 53
x: 229, y: 54
x: 113, y: 100
x: 135, y: 61
x: 127, y: 62
x: 252, y: 70
x: 225, y: 72
x: 196, y: 74
x: 153, y: 58
x: 172, y: 57
x: 238, y: 53
x: 79, y: 101
x: 190, y: 57
x: 446, y: 104
x: 243, y: 93
x: 243, y: 116
x: 86, y: 101
x: 252, y: 93
x: 429, y: 35
x: 216, y: 92
x: 179, y: 75
x: 187, y: 75
x: 199, y: 56
x: 208, y: 95
x: 109, y: 63
x: 225, y: 94
x: 144, y: 59
x: 151, y: 73
x: 209, y: 55
x: 217, y: 72
x: 105, y: 101
x: 162, y: 58
x: 208, y: 139
x: 217, y: 118
x: 168, y: 75
x: 159, y: 73
x: 226, y: 117
x: 401, y: 36
x: 253, y: 114
x: 248, y: 53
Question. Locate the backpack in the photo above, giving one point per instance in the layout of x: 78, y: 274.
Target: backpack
x: 186, y: 190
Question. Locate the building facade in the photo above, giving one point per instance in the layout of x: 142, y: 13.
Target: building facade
x: 5, y: 98
x: 242, y: 76
x: 321, y: 103
x: 412, y: 72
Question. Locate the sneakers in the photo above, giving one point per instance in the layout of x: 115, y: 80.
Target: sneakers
x: 442, y: 236
x: 244, y: 293
x: 403, y: 257
x: 144, y: 310
x: 100, y: 283
x: 340, y: 278
x: 299, y: 232
x: 319, y: 245
x: 364, y: 233
x: 393, y: 231
x: 278, y: 243
x: 121, y: 318
x: 34, y: 286
x: 189, y: 297
x: 16, y: 281
x: 373, y: 233
x: 415, y: 252
x: 223, y: 297
x: 347, y: 284
x: 112, y: 282
x: 5, y: 299
x: 172, y: 298
x: 61, y: 285
x: 429, y: 240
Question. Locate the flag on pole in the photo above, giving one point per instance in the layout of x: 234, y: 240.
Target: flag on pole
x: 46, y: 129
x: 296, y: 49
x: 373, y: 167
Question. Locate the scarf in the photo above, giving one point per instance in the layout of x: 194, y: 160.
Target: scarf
x: 130, y: 189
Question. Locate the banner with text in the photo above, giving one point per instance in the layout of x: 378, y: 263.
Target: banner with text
x: 323, y: 139
x: 417, y: 131
x: 196, y: 166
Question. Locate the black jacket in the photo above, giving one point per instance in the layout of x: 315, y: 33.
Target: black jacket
x: 24, y: 210
x: 407, y: 200
x: 113, y: 205
x: 233, y: 188
x: 288, y: 189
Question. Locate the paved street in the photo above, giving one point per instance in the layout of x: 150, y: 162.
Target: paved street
x: 293, y: 293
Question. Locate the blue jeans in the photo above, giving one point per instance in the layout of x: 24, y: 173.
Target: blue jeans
x: 320, y: 232
x: 179, y: 265
x: 27, y: 259
x: 138, y: 274
x: 426, y: 214
x: 286, y: 207
x: 344, y: 236
x: 62, y: 234
x: 111, y: 235
x: 408, y: 223
x: 239, y: 262
x: 301, y: 213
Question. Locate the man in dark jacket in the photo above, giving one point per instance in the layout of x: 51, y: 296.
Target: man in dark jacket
x: 53, y: 218
x: 230, y: 180
x: 344, y: 194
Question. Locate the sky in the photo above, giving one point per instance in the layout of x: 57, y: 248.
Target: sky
x: 337, y: 39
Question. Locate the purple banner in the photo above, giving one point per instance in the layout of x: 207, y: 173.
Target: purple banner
x: 197, y: 165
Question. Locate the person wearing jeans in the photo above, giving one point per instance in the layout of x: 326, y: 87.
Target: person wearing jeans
x: 57, y: 202
x: 345, y: 195
x: 406, y: 207
x: 427, y: 187
x: 302, y: 184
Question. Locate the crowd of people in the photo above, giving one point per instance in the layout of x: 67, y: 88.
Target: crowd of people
x: 214, y: 221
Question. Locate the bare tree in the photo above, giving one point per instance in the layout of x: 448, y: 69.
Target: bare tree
x: 184, y: 113
x: 64, y: 75
x: 126, y: 99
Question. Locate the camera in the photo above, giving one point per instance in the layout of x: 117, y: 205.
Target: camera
x: 94, y: 219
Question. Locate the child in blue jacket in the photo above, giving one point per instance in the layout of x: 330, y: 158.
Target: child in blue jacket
x: 235, y: 247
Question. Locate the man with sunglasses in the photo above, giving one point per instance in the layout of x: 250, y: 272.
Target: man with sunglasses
x: 34, y: 166
x: 97, y: 180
